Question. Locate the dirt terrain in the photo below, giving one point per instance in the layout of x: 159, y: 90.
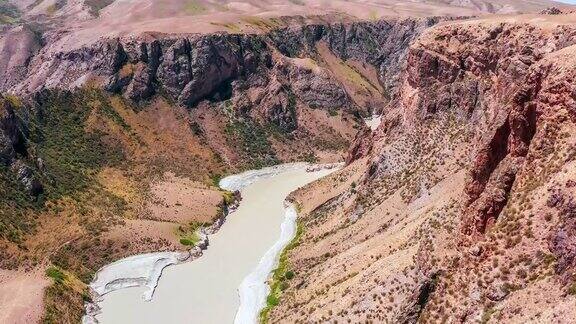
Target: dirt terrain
x: 21, y: 296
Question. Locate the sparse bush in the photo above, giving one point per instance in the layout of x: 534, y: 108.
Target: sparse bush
x: 572, y: 289
x: 187, y: 242
x: 55, y: 274
x: 272, y: 300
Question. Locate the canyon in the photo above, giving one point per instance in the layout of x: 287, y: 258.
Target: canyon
x: 117, y: 120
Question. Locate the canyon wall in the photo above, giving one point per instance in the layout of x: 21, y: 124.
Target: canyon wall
x: 457, y: 207
x: 190, y: 68
x: 283, y: 79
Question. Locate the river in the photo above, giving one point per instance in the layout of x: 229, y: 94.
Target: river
x: 241, y: 254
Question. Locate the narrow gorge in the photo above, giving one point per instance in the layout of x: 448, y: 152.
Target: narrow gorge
x: 458, y: 133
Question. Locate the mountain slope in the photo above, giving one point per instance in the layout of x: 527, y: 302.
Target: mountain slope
x: 458, y: 207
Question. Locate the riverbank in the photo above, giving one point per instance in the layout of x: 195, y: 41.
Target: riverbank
x: 257, y: 184
x: 255, y: 289
x: 145, y: 270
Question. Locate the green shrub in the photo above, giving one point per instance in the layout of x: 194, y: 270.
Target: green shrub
x: 56, y: 274
x: 278, y: 282
x: 284, y: 285
x: 63, y: 304
x: 272, y: 300
x: 187, y: 242
x: 9, y: 13
x: 216, y: 179
x: 250, y: 140
x: 97, y: 5
x: 16, y: 207
x: 70, y: 152
x: 229, y: 197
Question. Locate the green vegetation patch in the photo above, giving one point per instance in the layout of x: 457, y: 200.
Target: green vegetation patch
x: 232, y: 27
x: 97, y: 5
x: 194, y: 7
x: 103, y: 104
x: 62, y: 153
x: 309, y: 157
x: 57, y: 5
x: 216, y: 177
x: 56, y: 274
x: 487, y: 315
x: 9, y: 13
x: 189, y: 241
x: 229, y: 197
x: 572, y: 289
x: 357, y: 78
x: 15, y: 206
x: 251, y: 143
x: 189, y: 234
x: 281, y: 276
x: 64, y: 299
x: 71, y: 154
x: 265, y: 24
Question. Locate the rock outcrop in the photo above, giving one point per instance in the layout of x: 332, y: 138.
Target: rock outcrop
x: 382, y: 44
x: 13, y: 151
x: 454, y: 70
x: 10, y: 136
x: 551, y: 11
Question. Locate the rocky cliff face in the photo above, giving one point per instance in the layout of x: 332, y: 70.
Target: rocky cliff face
x: 10, y: 133
x: 277, y: 78
x: 190, y: 68
x: 445, y: 212
x: 382, y: 44
x: 454, y: 68
x: 516, y: 77
x: 14, y: 153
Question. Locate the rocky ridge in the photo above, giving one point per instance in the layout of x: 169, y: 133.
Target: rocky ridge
x: 190, y: 68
